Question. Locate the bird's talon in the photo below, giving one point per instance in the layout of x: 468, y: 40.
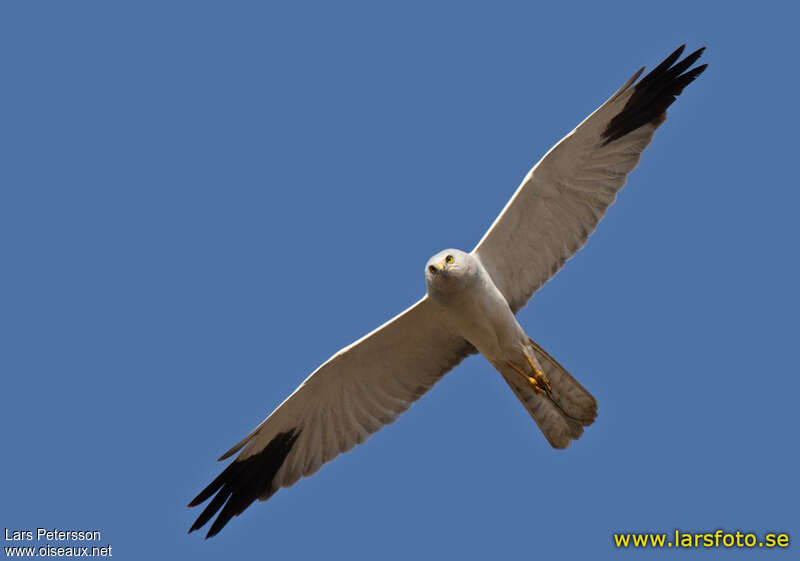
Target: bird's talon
x: 540, y: 379
x: 538, y: 382
x: 537, y: 387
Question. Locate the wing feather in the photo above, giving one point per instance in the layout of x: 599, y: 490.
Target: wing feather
x: 565, y: 195
x: 355, y: 393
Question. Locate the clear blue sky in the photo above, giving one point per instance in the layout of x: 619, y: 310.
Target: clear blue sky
x: 177, y: 176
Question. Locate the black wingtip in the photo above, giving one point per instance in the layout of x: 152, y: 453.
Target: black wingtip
x: 196, y: 501
x: 227, y: 455
x: 654, y: 93
x: 242, y: 482
x: 674, y: 55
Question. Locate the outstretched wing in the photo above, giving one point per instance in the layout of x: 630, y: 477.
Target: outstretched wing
x: 566, y: 194
x: 354, y: 394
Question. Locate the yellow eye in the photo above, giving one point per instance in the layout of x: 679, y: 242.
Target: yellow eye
x: 449, y: 259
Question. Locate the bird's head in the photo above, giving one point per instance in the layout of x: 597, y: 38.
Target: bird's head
x: 448, y: 271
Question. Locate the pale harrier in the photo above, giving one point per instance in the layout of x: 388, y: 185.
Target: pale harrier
x: 469, y: 308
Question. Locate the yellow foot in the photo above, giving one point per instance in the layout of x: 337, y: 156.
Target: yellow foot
x: 541, y: 379
x: 533, y: 381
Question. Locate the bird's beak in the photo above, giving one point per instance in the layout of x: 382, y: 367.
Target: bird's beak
x: 440, y: 267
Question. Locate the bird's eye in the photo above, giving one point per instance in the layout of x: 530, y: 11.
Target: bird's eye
x: 432, y: 269
x: 449, y: 259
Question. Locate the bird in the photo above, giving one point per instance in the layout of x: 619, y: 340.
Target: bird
x: 470, y: 307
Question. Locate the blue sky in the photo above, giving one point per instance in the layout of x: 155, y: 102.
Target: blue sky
x: 192, y: 192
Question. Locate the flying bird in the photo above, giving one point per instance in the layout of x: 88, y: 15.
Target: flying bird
x: 470, y: 307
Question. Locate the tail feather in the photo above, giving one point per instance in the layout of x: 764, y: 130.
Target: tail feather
x: 558, y: 429
x: 562, y: 412
x: 570, y: 396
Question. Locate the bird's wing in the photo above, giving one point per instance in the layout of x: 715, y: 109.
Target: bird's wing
x: 355, y: 393
x: 564, y: 196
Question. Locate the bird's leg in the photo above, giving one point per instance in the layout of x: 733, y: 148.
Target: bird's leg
x: 538, y: 375
x: 531, y: 380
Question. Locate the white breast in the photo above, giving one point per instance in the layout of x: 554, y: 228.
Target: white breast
x: 478, y: 311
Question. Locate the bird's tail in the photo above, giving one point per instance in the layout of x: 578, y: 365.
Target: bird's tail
x: 560, y: 411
